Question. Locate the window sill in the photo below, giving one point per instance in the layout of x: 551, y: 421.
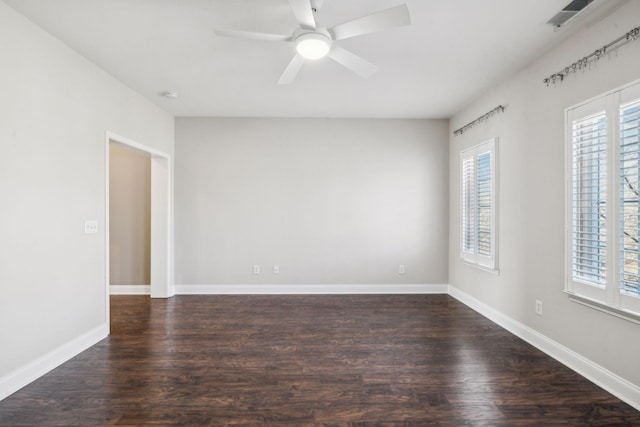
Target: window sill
x: 622, y: 314
x: 493, y: 271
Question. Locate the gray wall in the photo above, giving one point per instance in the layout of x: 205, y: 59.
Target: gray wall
x: 532, y: 196
x: 129, y: 216
x: 55, y: 110
x: 329, y: 201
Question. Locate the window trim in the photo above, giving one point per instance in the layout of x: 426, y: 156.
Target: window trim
x: 485, y: 263
x: 608, y: 298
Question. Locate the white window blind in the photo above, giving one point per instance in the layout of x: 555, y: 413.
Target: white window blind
x: 485, y: 205
x: 589, y: 143
x: 478, y: 205
x: 468, y: 205
x: 629, y: 200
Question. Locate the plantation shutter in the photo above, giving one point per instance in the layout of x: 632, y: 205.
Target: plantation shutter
x: 485, y: 205
x: 468, y: 208
x: 589, y: 199
x: 603, y: 140
x: 629, y: 200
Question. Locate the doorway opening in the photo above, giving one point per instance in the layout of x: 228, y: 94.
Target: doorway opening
x: 129, y: 220
x: 144, y: 244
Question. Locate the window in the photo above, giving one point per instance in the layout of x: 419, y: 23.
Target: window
x: 478, y: 205
x: 603, y: 206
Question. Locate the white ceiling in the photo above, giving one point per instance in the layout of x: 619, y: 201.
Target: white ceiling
x: 454, y: 50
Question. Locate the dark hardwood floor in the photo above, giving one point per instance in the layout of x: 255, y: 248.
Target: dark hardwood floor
x: 309, y: 360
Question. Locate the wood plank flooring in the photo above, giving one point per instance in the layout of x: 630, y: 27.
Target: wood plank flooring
x: 376, y: 360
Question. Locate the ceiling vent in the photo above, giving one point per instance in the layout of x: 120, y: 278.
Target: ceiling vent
x: 571, y: 10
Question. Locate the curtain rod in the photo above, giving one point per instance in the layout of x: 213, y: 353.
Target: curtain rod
x: 631, y: 35
x: 485, y: 116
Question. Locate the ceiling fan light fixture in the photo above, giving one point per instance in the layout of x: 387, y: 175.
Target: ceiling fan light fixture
x: 313, y: 45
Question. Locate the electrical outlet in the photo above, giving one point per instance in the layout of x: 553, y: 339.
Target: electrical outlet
x: 90, y: 226
x: 539, y: 307
x: 276, y: 269
x: 401, y: 269
x: 256, y: 269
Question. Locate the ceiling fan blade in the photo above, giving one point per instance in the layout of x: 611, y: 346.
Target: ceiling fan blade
x: 304, y: 13
x: 353, y: 62
x: 253, y: 35
x: 291, y: 72
x: 394, y: 17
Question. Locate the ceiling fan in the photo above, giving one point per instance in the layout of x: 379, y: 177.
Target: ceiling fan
x: 314, y: 42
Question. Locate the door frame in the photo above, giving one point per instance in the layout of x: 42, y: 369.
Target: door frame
x: 162, y: 283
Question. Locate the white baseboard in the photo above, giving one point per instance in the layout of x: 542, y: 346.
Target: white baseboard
x: 30, y: 372
x: 130, y: 290
x: 619, y: 387
x: 326, y: 289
